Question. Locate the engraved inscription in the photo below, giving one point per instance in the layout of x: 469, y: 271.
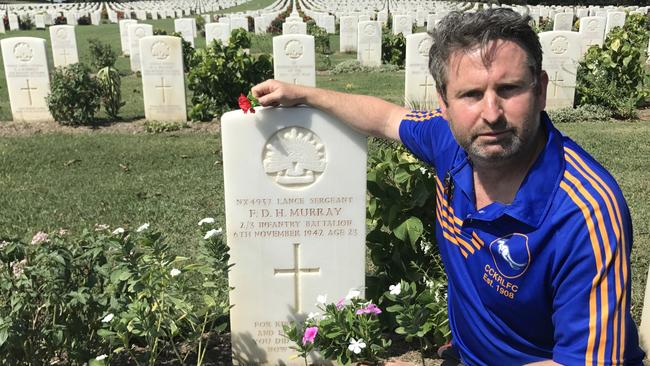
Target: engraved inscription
x: 559, y: 45
x: 369, y: 30
x: 61, y: 34
x: 293, y: 49
x: 592, y: 25
x: 160, y: 50
x: 294, y: 157
x: 23, y: 52
x: 139, y: 32
x: 424, y: 46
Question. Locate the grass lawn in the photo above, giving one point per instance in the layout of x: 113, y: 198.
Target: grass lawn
x: 172, y: 180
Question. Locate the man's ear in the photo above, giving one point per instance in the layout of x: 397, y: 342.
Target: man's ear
x: 443, y: 106
x: 541, y: 91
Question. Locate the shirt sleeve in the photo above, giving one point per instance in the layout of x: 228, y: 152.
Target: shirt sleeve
x: 427, y: 136
x: 591, y: 284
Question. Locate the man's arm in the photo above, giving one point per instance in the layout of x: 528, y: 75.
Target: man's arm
x: 369, y: 115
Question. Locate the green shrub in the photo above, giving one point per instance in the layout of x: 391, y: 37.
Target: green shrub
x: 321, y: 38
x: 393, y: 48
x: 25, y: 22
x: 161, y: 126
x: 101, y: 54
x: 401, y: 236
x: 74, y: 95
x: 188, y: 52
x: 222, y: 73
x: 70, y: 299
x: 613, y: 75
x: 582, y: 113
x: 349, y: 66
x: 111, y: 92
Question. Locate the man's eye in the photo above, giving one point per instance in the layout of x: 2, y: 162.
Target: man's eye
x: 509, y: 90
x: 473, y: 95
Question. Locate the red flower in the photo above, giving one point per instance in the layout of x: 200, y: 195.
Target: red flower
x: 245, y: 104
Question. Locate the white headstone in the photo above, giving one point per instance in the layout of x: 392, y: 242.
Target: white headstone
x: 13, y: 22
x: 294, y: 28
x: 28, y: 80
x: 592, y: 32
x: 294, y: 59
x: 402, y: 24
x: 124, y: 35
x: 217, y: 31
x: 349, y: 38
x: 419, y: 86
x: 187, y: 28
x: 369, y: 53
x: 71, y: 18
x: 96, y: 17
x: 39, y: 19
x: 136, y: 33
x: 239, y: 22
x: 560, y: 61
x: 329, y: 23
x: 614, y: 19
x: 295, y: 193
x: 563, y: 22
x: 64, y: 45
x: 163, y: 81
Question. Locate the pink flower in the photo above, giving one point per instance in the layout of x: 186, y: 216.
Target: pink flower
x: 370, y: 309
x: 340, y: 304
x: 40, y: 237
x: 310, y: 334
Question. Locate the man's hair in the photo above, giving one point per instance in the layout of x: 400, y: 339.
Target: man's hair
x: 469, y: 31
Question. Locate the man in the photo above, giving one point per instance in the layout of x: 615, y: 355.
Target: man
x: 535, y: 235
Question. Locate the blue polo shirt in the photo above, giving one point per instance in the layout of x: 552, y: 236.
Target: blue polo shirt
x: 546, y: 277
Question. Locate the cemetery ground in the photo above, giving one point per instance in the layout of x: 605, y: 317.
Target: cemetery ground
x: 120, y: 174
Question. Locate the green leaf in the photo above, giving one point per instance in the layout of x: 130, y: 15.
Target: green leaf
x: 105, y: 333
x: 410, y: 230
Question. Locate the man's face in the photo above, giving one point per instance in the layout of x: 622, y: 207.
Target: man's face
x: 494, y: 110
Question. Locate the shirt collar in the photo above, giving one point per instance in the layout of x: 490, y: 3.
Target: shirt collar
x: 535, y: 195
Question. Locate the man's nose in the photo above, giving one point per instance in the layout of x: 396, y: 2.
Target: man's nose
x: 492, y: 110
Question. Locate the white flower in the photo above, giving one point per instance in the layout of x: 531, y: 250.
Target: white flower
x: 142, y: 228
x: 211, y: 233
x: 100, y: 357
x: 313, y: 315
x: 174, y: 272
x: 352, y: 294
x: 356, y: 346
x: 321, y: 299
x: 207, y: 220
x: 40, y: 237
x: 108, y: 318
x: 395, y: 289
x: 100, y: 227
x: 118, y: 231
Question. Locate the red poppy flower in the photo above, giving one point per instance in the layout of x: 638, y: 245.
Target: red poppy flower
x: 245, y: 104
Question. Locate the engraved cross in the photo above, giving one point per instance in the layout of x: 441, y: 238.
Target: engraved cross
x: 29, y: 91
x: 296, y: 271
x: 162, y: 87
x: 426, y: 85
x: 369, y: 51
x: 65, y: 55
x: 556, y: 82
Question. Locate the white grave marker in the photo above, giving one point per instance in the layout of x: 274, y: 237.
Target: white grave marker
x: 560, y: 61
x: 136, y: 33
x: 28, y: 80
x: 349, y: 38
x: 294, y: 28
x: 419, y: 88
x: 592, y: 31
x: 124, y: 35
x: 369, y: 53
x: 217, y: 31
x: 294, y: 59
x: 163, y: 81
x: 563, y: 22
x: 187, y: 28
x: 614, y: 19
x: 402, y: 24
x: 64, y: 45
x: 295, y: 193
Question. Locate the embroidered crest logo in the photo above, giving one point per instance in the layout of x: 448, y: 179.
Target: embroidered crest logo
x: 511, y: 255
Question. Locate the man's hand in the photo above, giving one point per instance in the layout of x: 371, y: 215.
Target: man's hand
x: 275, y: 93
x: 369, y: 115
